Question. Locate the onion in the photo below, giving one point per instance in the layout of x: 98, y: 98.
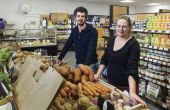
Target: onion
x: 115, y: 95
x: 94, y: 101
x: 119, y: 105
x: 114, y: 103
x: 128, y: 104
x: 120, y: 101
x: 126, y: 108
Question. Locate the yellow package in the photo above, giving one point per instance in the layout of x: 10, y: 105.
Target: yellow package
x: 156, y: 41
x: 164, y: 36
x: 159, y: 19
x: 167, y: 43
x: 156, y: 18
x: 160, y: 35
x: 167, y: 18
x: 163, y: 19
x: 162, y: 42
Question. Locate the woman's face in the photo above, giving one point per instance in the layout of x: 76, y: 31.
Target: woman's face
x: 122, y: 28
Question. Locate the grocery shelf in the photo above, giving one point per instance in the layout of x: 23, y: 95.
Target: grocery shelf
x: 38, y: 45
x: 105, y: 37
x: 155, y: 61
x: 155, y: 81
x: 155, y: 47
x: 9, y: 39
x: 61, y: 23
x: 63, y: 28
x: 62, y: 40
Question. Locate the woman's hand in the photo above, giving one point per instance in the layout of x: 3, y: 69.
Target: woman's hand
x: 136, y: 99
x: 96, y: 77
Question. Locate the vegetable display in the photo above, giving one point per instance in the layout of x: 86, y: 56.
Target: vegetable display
x: 4, y: 55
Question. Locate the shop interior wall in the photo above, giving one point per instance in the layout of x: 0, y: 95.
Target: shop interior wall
x: 151, y: 9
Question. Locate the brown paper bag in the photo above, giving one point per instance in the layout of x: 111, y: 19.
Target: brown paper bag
x: 43, y: 92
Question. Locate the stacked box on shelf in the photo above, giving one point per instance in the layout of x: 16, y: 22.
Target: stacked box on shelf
x: 142, y: 87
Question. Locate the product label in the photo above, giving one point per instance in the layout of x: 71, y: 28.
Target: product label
x: 160, y: 48
x: 159, y: 62
x: 146, y: 78
x: 150, y: 59
x: 155, y: 47
x: 155, y: 61
x: 147, y: 73
x: 166, y: 49
x: 152, y: 75
x: 147, y: 58
x: 139, y: 75
x: 167, y: 31
x: 150, y: 46
x: 142, y: 72
x: 168, y: 86
x: 141, y: 57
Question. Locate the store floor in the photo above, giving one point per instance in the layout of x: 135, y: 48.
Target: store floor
x: 70, y: 56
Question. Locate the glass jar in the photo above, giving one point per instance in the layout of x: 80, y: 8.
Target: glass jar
x: 162, y: 58
x: 164, y: 53
x: 143, y: 70
x: 150, y: 65
x: 168, y: 59
x: 155, y: 51
x: 168, y: 54
x: 157, y: 57
x: 164, y: 68
x: 147, y: 73
x: 161, y: 76
x: 145, y: 63
x: 159, y: 67
x: 150, y: 50
x: 153, y: 56
x: 148, y: 55
x: 156, y: 75
x: 141, y: 62
x: 152, y: 73
x: 154, y: 66
x: 139, y: 70
x: 168, y: 70
x: 165, y: 58
x: 159, y: 52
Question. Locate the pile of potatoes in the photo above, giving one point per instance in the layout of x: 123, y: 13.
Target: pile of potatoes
x: 83, y: 103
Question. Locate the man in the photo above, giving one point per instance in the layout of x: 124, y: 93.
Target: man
x: 84, y: 37
x: 2, y: 26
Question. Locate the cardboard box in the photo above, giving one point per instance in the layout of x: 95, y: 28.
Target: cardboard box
x: 162, y: 42
x: 159, y: 19
x: 163, y: 19
x: 156, y: 41
x: 167, y: 18
x: 156, y: 18
x: 167, y: 43
x: 150, y: 19
x: 153, y: 19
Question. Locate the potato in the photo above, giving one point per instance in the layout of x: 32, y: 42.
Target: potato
x: 58, y: 105
x: 64, y: 70
x: 75, y: 106
x: 72, y: 70
x: 77, y: 75
x: 94, y: 107
x: 83, y: 103
x: 67, y: 106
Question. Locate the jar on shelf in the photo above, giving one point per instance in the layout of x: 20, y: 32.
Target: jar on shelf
x: 164, y: 68
x: 162, y: 58
x: 166, y: 58
x: 168, y: 54
x: 150, y: 65
x: 143, y: 70
x: 150, y: 50
x: 148, y: 55
x: 159, y: 67
x: 159, y: 52
x: 152, y: 73
x: 153, y: 56
x: 155, y: 51
x: 154, y: 66
x: 157, y: 57
x: 156, y: 75
x: 164, y: 53
x: 145, y: 63
x: 139, y: 69
x: 168, y: 70
x: 161, y: 76
x: 147, y: 73
x: 141, y: 62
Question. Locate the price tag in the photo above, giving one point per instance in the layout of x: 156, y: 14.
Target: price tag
x: 158, y: 82
x: 141, y: 57
x: 155, y: 47
x: 168, y: 86
x: 154, y: 81
x: 164, y: 105
x: 160, y: 31
x: 146, y: 30
x: 167, y: 31
x: 150, y: 46
x: 150, y: 59
x: 153, y: 31
x: 141, y: 45
x: 160, y: 48
x: 139, y: 75
x: 163, y: 84
x: 145, y: 45
x: 146, y: 58
x: 11, y: 70
x: 155, y: 61
x: 159, y: 62
x: 168, y: 64
x: 164, y: 63
x: 166, y: 49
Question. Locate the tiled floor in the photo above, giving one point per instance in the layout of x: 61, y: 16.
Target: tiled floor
x: 150, y: 104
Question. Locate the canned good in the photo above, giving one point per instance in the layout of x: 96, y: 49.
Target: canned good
x: 152, y: 74
x: 139, y: 69
x: 168, y: 59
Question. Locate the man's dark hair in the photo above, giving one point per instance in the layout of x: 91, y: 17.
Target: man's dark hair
x: 81, y: 9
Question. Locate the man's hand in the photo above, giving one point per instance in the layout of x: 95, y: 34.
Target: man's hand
x: 58, y: 61
x: 96, y: 77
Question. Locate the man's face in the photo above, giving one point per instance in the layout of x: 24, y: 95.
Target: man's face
x: 80, y: 18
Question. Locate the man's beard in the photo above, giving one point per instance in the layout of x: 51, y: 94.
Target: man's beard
x: 81, y: 24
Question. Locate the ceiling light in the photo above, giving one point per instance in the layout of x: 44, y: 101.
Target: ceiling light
x: 154, y: 4
x: 126, y: 1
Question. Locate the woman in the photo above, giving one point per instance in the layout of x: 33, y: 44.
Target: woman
x: 121, y: 59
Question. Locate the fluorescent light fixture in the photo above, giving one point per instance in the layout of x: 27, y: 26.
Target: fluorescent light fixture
x: 127, y: 1
x: 154, y: 4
